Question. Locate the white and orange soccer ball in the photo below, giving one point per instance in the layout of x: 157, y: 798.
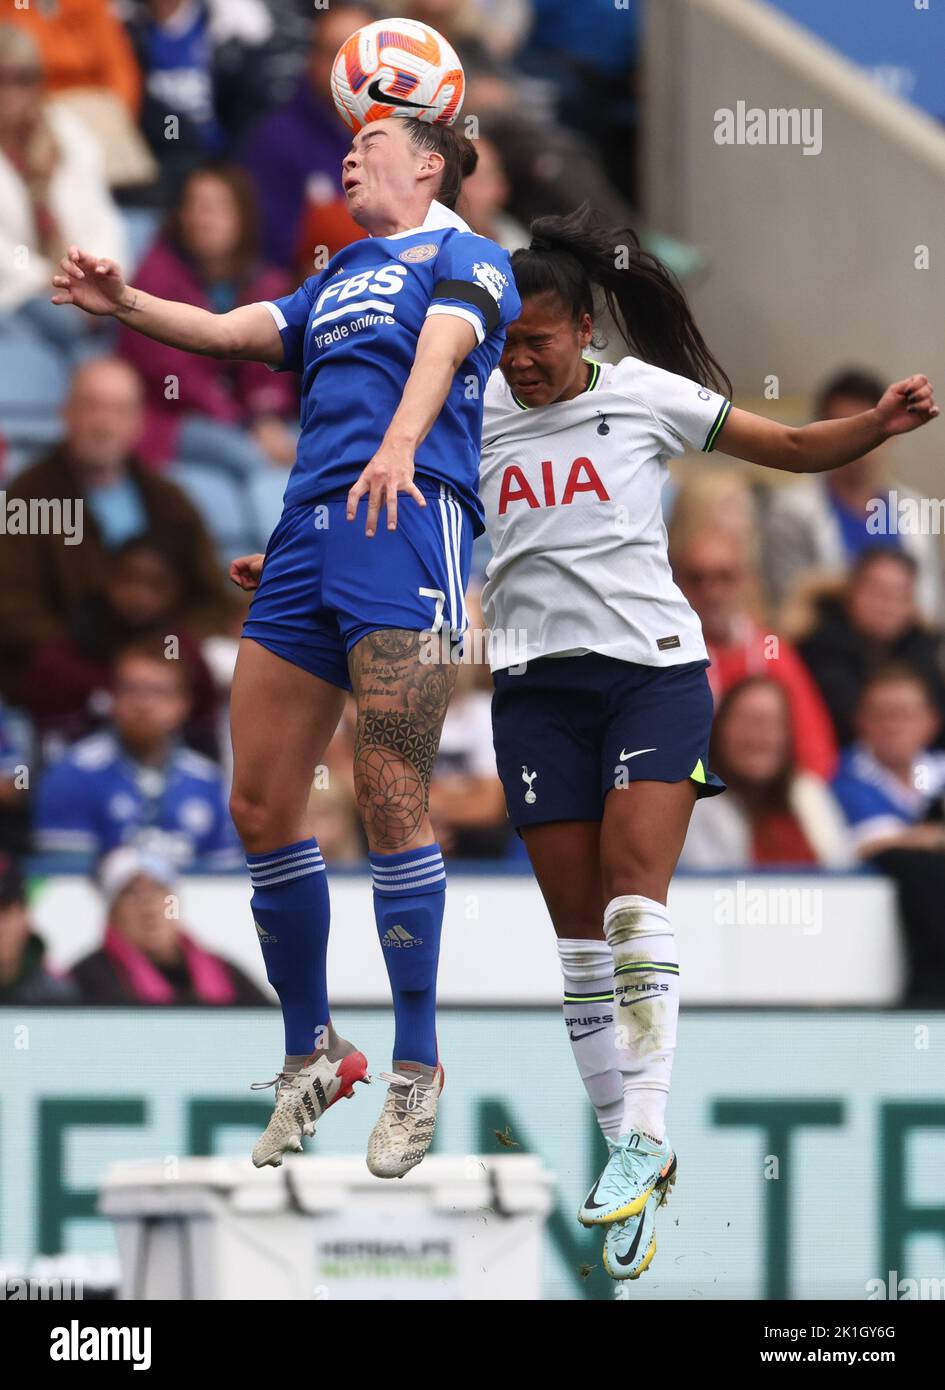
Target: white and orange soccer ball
x: 397, y: 67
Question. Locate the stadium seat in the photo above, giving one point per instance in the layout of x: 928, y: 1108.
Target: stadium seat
x: 222, y: 504
x: 264, y: 491
x: 33, y: 381
x: 141, y: 227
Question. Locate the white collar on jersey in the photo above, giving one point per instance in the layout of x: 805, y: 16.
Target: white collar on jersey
x: 438, y: 217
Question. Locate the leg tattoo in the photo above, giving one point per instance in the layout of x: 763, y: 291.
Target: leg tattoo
x: 402, y: 703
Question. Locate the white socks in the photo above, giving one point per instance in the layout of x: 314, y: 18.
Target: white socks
x: 621, y: 1005
x: 588, y: 970
x: 646, y: 1008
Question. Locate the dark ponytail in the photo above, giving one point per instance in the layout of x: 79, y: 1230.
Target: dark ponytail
x: 458, y: 152
x: 571, y: 256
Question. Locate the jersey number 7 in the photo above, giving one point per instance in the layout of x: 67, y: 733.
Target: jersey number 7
x: 440, y: 598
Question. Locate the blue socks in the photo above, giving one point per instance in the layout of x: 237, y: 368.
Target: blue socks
x: 291, y: 913
x: 409, y: 895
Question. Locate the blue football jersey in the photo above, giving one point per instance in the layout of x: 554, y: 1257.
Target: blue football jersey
x: 352, y: 334
x: 96, y: 798
x: 876, y: 803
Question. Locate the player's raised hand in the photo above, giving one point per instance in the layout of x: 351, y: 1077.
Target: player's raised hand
x: 246, y: 572
x: 389, y: 472
x: 907, y: 404
x: 93, y: 283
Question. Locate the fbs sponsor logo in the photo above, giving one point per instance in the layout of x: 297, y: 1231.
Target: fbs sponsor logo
x: 266, y: 939
x: 400, y: 938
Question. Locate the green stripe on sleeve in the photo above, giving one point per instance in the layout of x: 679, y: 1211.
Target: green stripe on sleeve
x: 713, y: 434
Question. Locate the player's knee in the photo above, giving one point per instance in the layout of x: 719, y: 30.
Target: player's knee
x: 635, y: 875
x: 256, y: 822
x: 578, y: 923
x: 393, y: 808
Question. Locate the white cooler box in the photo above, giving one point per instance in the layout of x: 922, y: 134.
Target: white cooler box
x: 216, y: 1228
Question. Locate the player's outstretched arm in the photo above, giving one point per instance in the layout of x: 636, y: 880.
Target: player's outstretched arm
x: 98, y: 286
x: 816, y: 448
x: 444, y: 343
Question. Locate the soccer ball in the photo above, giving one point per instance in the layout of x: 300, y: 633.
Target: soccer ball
x: 397, y: 67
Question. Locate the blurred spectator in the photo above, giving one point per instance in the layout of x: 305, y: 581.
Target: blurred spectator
x: 283, y: 60
x: 325, y: 227
x: 25, y: 978
x: 82, y: 45
x: 773, y: 811
x: 207, y: 256
x: 714, y: 572
x: 43, y: 580
x: 52, y: 193
x: 294, y: 155
x: 485, y: 196
x: 502, y: 24
x: 590, y: 52
x: 12, y: 755
x: 332, y: 805
x: 333, y: 816
x: 203, y: 75
x: 90, y: 69
x: 891, y: 787
x: 872, y: 623
x: 890, y: 780
x: 16, y: 747
x: 824, y: 521
x: 467, y: 804
x: 462, y: 26
x: 134, y: 783
x: 146, y: 958
x: 715, y: 498
x: 67, y: 688
x: 551, y: 169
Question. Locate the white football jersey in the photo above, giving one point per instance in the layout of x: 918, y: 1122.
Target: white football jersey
x: 572, y: 500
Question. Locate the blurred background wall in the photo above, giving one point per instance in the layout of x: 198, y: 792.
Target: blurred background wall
x: 814, y: 257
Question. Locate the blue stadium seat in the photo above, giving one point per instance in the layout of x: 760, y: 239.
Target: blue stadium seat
x: 141, y: 227
x: 222, y: 504
x: 33, y: 381
x: 265, y: 503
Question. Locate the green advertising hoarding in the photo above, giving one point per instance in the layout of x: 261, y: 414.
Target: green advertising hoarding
x: 811, y: 1146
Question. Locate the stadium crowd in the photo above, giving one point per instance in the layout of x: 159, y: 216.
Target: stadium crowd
x: 194, y: 141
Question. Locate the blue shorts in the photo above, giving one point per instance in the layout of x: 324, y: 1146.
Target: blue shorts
x: 569, y: 730
x: 325, y: 584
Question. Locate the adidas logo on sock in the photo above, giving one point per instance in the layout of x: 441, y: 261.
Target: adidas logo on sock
x: 400, y: 937
x: 264, y: 936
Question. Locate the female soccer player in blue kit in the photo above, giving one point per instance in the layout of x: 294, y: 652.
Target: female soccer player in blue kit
x: 602, y: 740
x: 394, y: 341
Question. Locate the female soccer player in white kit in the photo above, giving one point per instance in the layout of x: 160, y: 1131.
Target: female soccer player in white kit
x: 602, y: 739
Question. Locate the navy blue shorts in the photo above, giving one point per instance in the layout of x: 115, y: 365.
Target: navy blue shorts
x: 325, y: 584
x: 569, y: 730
